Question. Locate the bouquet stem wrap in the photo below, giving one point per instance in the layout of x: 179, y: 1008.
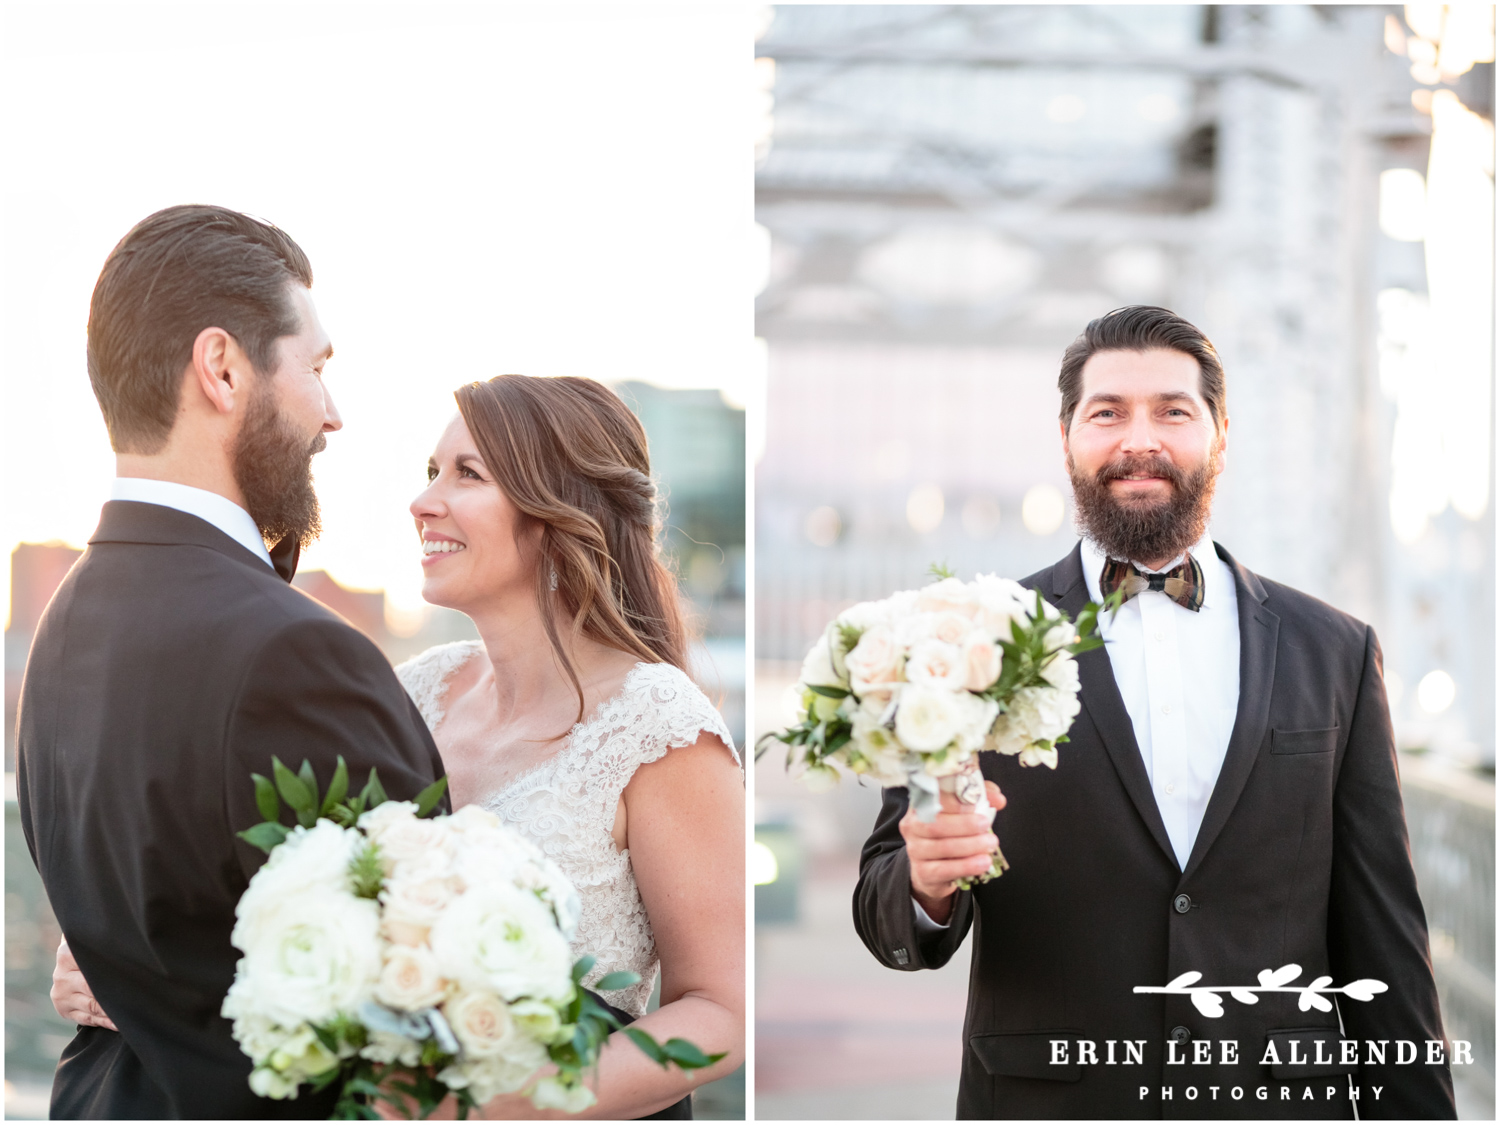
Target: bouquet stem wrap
x: 967, y: 788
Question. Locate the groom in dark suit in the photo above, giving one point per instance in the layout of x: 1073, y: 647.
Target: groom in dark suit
x: 1228, y: 804
x: 175, y: 660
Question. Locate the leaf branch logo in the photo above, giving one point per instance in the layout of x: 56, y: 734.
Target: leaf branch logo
x: 1311, y: 995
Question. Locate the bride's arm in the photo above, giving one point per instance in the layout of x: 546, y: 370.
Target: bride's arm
x: 685, y: 827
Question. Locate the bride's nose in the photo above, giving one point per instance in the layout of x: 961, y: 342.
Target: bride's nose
x: 427, y: 505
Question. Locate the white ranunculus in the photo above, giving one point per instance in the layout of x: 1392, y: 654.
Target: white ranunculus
x: 977, y: 716
x: 489, y: 1078
x: 307, y: 957
x: 982, y: 659
x: 935, y: 664
x: 1061, y: 634
x: 866, y: 615
x: 498, y: 937
x: 268, y: 1083
x: 875, y: 660
x: 550, y: 1093
x: 928, y: 718
x: 309, y: 861
x: 410, y: 979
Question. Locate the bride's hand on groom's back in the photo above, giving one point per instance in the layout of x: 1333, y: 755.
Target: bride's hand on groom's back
x: 71, y: 995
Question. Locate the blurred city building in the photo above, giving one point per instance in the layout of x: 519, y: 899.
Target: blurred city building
x: 947, y: 194
x: 698, y: 455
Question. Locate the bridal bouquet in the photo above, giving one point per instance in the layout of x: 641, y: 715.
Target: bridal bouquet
x: 909, y: 689
x: 410, y: 958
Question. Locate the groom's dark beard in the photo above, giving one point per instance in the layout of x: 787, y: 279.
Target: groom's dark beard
x: 273, y: 468
x: 1145, y: 530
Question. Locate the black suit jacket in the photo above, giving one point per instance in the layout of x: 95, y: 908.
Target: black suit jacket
x: 1302, y: 858
x: 170, y: 665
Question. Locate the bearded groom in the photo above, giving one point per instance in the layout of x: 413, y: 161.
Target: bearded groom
x: 1228, y: 804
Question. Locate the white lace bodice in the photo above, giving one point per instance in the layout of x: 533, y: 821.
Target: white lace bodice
x: 566, y: 805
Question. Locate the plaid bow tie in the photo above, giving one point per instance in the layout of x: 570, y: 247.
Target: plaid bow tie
x: 1183, y: 584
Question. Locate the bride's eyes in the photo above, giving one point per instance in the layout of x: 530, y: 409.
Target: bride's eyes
x: 464, y: 470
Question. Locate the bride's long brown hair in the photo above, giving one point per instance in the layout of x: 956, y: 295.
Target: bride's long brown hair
x: 573, y: 458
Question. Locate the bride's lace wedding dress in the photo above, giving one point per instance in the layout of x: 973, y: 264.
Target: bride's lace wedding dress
x: 567, y: 803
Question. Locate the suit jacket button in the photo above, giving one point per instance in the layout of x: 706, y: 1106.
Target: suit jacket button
x: 1180, y: 1035
x: 1182, y: 904
x: 902, y: 957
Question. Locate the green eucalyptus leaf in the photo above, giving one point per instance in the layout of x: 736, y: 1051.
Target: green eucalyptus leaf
x: 651, y: 1048
x: 688, y: 1056
x: 581, y: 967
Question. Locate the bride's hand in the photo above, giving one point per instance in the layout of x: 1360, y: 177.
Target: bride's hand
x: 71, y: 995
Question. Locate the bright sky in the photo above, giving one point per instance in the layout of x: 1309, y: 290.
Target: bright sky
x: 551, y: 190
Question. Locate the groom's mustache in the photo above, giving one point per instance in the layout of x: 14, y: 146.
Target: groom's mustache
x: 1140, y: 464
x: 319, y: 444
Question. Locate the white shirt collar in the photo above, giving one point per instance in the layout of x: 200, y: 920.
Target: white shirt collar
x: 210, y: 507
x: 1093, y: 560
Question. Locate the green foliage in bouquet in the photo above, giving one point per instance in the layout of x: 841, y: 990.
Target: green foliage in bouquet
x: 416, y: 1090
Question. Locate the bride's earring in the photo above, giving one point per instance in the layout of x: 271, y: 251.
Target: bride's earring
x: 552, y: 580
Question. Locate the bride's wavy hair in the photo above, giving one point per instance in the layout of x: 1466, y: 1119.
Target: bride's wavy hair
x: 573, y: 458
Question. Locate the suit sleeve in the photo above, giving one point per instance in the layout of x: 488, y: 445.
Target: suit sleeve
x: 884, y: 914
x: 1376, y: 925
x: 319, y: 690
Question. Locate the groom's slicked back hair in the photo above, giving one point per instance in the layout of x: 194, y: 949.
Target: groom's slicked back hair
x: 176, y: 273
x: 1141, y: 328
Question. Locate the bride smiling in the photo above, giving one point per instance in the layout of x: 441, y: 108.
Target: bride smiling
x: 574, y: 718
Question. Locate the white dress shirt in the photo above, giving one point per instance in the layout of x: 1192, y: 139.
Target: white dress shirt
x: 1179, y: 675
x: 223, y: 513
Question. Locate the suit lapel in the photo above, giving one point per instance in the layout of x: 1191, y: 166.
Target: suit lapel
x: 1101, y: 698
x: 1258, y: 631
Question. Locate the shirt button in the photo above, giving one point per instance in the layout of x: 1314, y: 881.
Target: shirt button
x: 1160, y: 636
x: 1182, y: 904
x: 1166, y: 708
x: 1171, y: 788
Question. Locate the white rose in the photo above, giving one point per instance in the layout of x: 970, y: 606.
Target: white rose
x: 416, y: 898
x: 876, y: 659
x: 430, y: 843
x: 268, y: 1083
x: 949, y: 627
x: 410, y: 979
x: 497, y: 937
x: 481, y: 1022
x: 936, y: 665
x: 949, y: 595
x: 982, y: 658
x: 307, y: 957
x: 1001, y: 601
x: 550, y: 1093
x: 927, y: 718
x: 817, y: 667
x: 472, y: 819
x: 488, y: 1078
x: 383, y: 816
x: 977, y: 716
x: 866, y: 615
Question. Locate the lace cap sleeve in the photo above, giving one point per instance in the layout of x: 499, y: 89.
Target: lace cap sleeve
x: 425, y: 677
x: 659, y: 708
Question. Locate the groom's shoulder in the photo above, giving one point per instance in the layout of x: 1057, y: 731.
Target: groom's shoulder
x: 1325, y: 626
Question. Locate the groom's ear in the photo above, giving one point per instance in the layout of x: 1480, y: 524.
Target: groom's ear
x: 220, y: 370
